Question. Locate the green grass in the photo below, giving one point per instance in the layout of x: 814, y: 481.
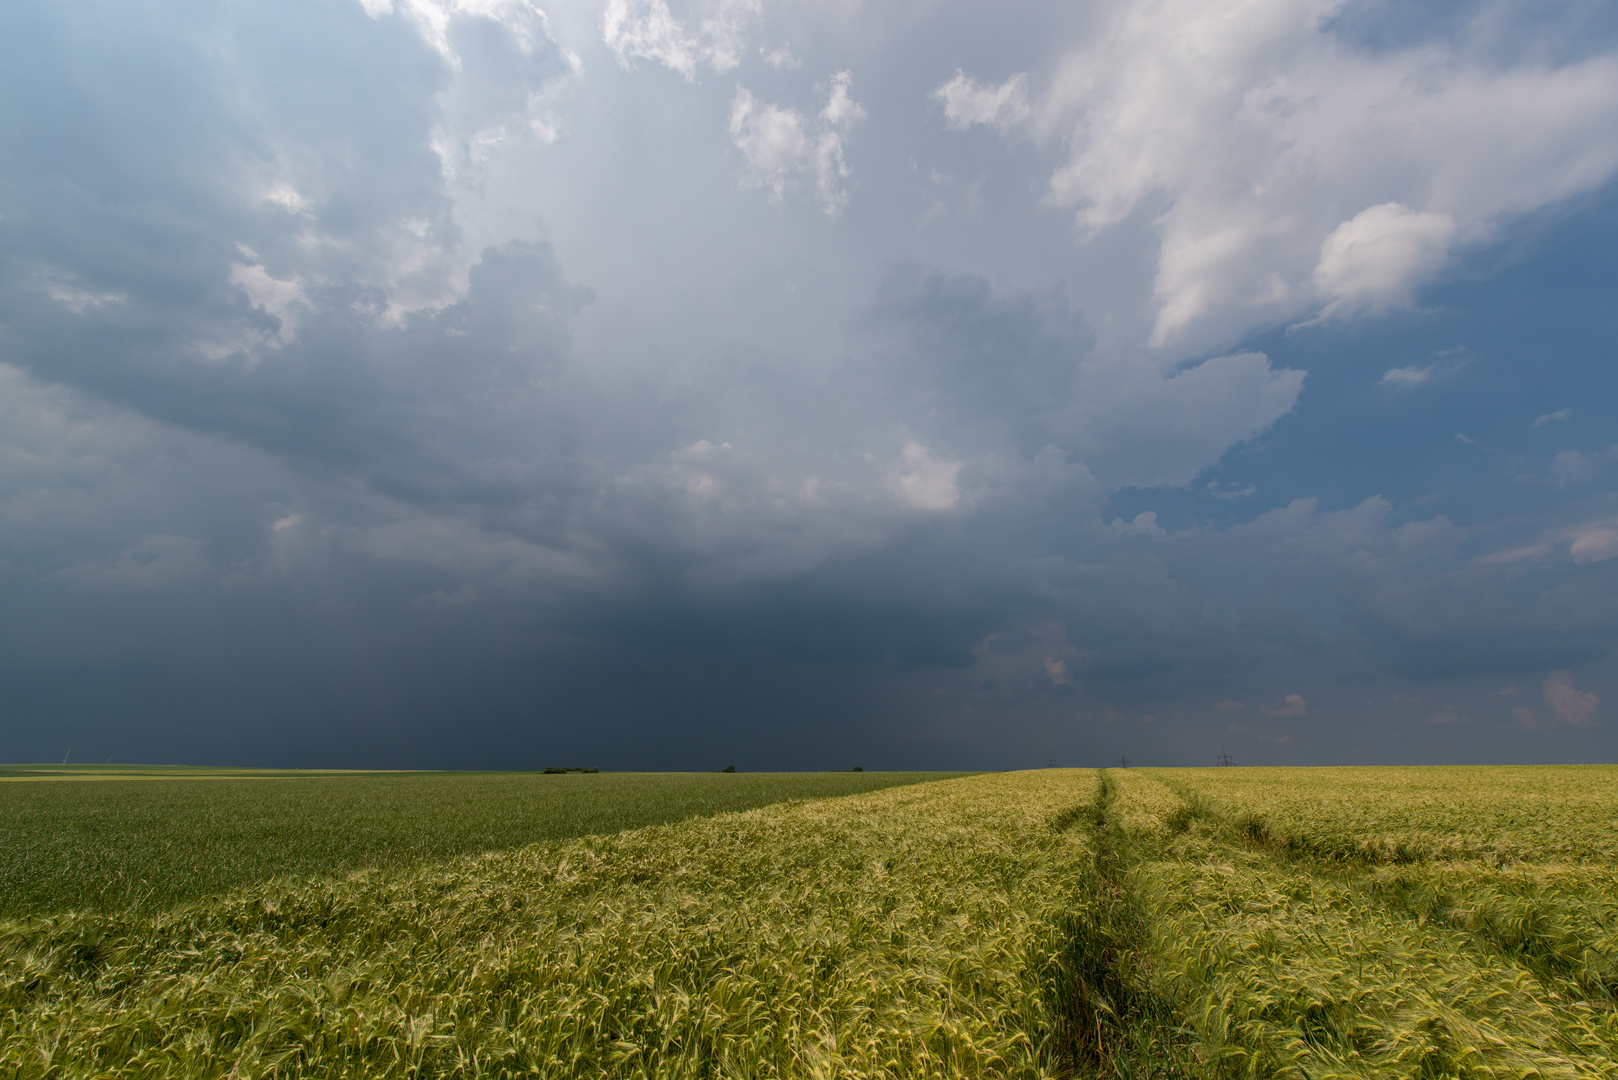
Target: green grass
x: 160, y: 836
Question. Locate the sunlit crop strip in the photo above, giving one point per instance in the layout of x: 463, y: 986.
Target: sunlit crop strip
x: 1288, y: 964
x: 906, y: 933
x: 1530, y: 813
x: 174, y: 835
x: 1516, y: 857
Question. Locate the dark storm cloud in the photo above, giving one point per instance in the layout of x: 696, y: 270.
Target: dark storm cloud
x: 317, y: 443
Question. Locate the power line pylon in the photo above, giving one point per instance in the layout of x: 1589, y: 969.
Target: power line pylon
x: 1226, y: 759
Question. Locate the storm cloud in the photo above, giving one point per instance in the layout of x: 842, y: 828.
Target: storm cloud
x: 662, y: 385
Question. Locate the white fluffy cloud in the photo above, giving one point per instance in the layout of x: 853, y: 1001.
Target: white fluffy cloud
x: 772, y: 141
x: 503, y: 88
x: 1596, y: 542
x: 647, y: 29
x: 1375, y: 260
x: 967, y: 101
x: 433, y: 18
x: 1290, y: 172
x: 780, y: 145
x: 926, y: 482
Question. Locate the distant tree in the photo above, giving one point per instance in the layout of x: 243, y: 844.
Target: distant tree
x: 856, y: 769
x: 728, y: 768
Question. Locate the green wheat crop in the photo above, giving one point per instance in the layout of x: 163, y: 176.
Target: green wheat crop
x: 180, y: 834
x: 1534, y: 813
x: 913, y: 932
x: 1175, y: 924
x: 1294, y: 950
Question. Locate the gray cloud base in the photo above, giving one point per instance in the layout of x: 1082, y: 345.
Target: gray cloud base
x: 310, y: 457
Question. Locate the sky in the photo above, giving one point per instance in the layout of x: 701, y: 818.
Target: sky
x: 670, y: 384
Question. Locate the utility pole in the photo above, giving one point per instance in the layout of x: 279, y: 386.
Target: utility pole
x: 1226, y: 759
x: 1123, y: 762
x: 1050, y: 763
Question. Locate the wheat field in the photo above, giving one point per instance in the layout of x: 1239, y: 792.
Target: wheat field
x: 1382, y: 922
x: 910, y: 932
x: 1237, y: 923
x: 108, y: 837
